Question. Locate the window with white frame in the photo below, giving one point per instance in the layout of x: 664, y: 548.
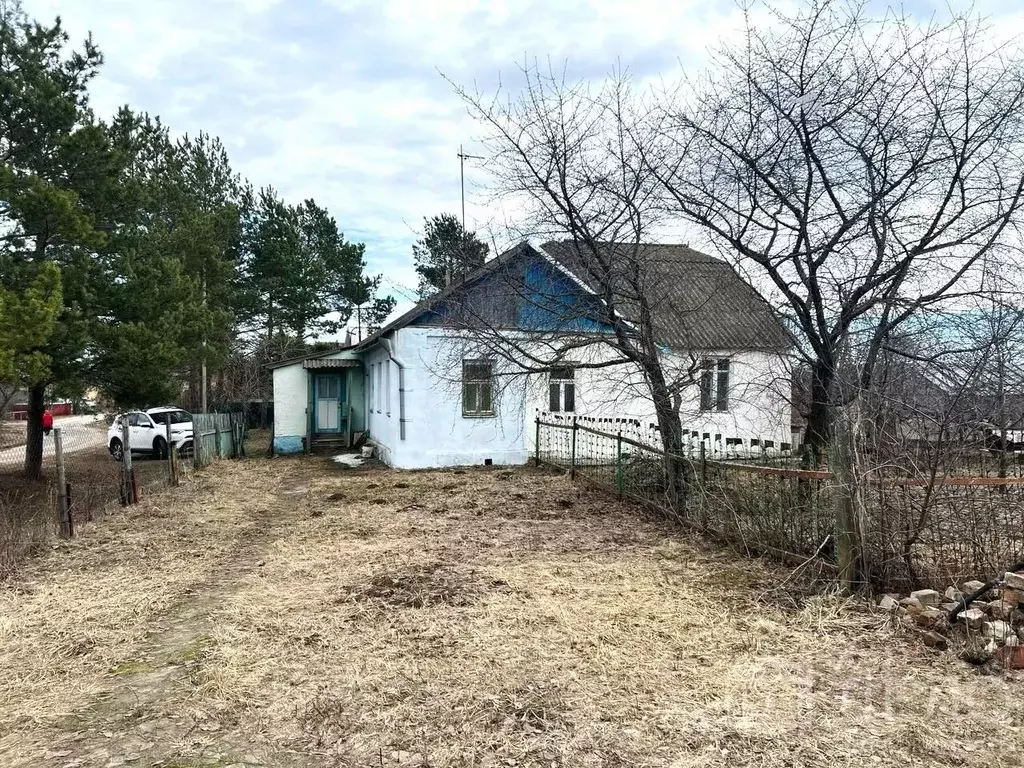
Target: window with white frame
x: 714, y: 384
x: 477, y: 388
x: 562, y: 390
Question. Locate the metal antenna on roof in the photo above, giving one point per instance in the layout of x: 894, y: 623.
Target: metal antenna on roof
x: 463, y: 157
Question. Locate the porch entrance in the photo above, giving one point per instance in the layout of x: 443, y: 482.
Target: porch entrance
x: 329, y: 402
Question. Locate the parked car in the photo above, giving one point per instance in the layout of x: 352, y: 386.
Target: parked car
x: 147, y: 432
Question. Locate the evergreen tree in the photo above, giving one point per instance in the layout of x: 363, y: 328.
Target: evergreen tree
x: 446, y: 253
x: 54, y: 164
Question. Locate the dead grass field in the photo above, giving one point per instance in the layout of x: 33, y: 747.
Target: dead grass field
x: 12, y: 433
x: 289, y: 613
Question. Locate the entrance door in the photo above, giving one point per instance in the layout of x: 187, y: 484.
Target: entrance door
x: 328, y: 395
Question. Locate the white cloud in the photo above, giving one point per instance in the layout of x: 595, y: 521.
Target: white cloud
x: 342, y: 101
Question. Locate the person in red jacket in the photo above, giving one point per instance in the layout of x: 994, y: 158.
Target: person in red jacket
x: 47, y: 422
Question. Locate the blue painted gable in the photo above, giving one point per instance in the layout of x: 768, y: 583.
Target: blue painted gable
x: 530, y: 295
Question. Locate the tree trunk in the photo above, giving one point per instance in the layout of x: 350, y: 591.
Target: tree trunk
x: 849, y: 531
x: 671, y: 428
x: 819, y: 417
x: 34, y: 438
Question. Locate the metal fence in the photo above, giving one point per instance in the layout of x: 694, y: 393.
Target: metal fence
x: 933, y: 530
x: 79, y: 478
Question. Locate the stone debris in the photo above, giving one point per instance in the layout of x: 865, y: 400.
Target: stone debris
x: 927, y: 597
x: 999, y: 609
x: 992, y: 625
x: 973, y: 618
x: 997, y: 630
x: 930, y: 617
x: 1013, y: 580
x: 888, y: 604
x: 935, y: 640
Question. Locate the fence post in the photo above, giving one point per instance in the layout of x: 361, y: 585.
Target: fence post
x: 572, y: 457
x: 216, y: 433
x: 536, y: 444
x: 618, y: 464
x: 703, y: 466
x: 170, y: 453
x: 62, y: 485
x: 848, y: 530
x: 126, y: 462
x: 197, y: 443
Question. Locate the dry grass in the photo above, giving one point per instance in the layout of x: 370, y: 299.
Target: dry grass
x: 12, y: 433
x: 287, y: 612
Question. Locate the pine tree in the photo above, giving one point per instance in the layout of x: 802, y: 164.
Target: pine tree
x: 446, y: 253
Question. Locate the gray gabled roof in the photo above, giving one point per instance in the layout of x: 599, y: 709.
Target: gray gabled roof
x: 698, y: 301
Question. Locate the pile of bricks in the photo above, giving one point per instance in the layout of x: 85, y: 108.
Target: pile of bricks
x: 991, y: 627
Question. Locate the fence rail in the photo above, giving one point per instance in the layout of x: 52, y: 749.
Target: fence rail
x: 932, y: 530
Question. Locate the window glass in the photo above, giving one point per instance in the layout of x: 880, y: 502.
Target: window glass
x: 477, y: 386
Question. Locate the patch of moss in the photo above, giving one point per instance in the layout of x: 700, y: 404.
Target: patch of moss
x: 200, y: 762
x: 194, y: 650
x: 131, y: 667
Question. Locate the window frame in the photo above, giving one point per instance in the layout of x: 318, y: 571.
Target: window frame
x: 563, y: 384
x: 715, y: 383
x: 478, y: 413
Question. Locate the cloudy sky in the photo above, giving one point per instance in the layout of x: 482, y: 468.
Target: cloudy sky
x: 343, y: 100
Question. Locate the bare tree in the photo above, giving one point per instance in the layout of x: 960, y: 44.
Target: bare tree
x: 862, y: 171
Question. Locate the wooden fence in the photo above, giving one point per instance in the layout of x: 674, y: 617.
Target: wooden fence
x: 917, y: 531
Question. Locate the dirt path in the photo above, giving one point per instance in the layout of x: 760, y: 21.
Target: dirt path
x: 290, y: 613
x: 139, y: 714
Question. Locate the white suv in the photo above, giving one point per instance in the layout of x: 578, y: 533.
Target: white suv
x: 147, y: 432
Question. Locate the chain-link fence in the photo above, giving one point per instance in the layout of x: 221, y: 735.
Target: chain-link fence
x: 933, y: 530
x: 89, y: 463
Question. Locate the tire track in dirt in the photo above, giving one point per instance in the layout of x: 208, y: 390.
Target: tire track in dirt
x: 139, y: 721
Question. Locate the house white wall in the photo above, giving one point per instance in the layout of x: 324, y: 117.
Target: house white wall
x: 437, y: 434
x: 291, y: 393
x: 759, y: 399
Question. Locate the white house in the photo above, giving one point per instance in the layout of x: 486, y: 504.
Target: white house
x: 429, y: 394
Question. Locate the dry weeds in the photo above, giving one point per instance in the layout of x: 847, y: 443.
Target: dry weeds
x: 271, y: 613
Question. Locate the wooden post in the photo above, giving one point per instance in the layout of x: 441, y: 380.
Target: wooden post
x: 618, y: 464
x: 848, y: 539
x: 197, y: 443
x: 63, y: 508
x: 170, y: 452
x: 703, y: 466
x: 216, y: 436
x: 126, y: 462
x: 572, y: 458
x: 536, y: 444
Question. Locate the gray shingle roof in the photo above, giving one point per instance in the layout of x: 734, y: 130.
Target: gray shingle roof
x: 698, y: 302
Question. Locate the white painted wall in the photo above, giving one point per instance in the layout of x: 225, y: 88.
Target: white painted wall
x: 759, y: 395
x: 290, y: 400
x: 437, y: 434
